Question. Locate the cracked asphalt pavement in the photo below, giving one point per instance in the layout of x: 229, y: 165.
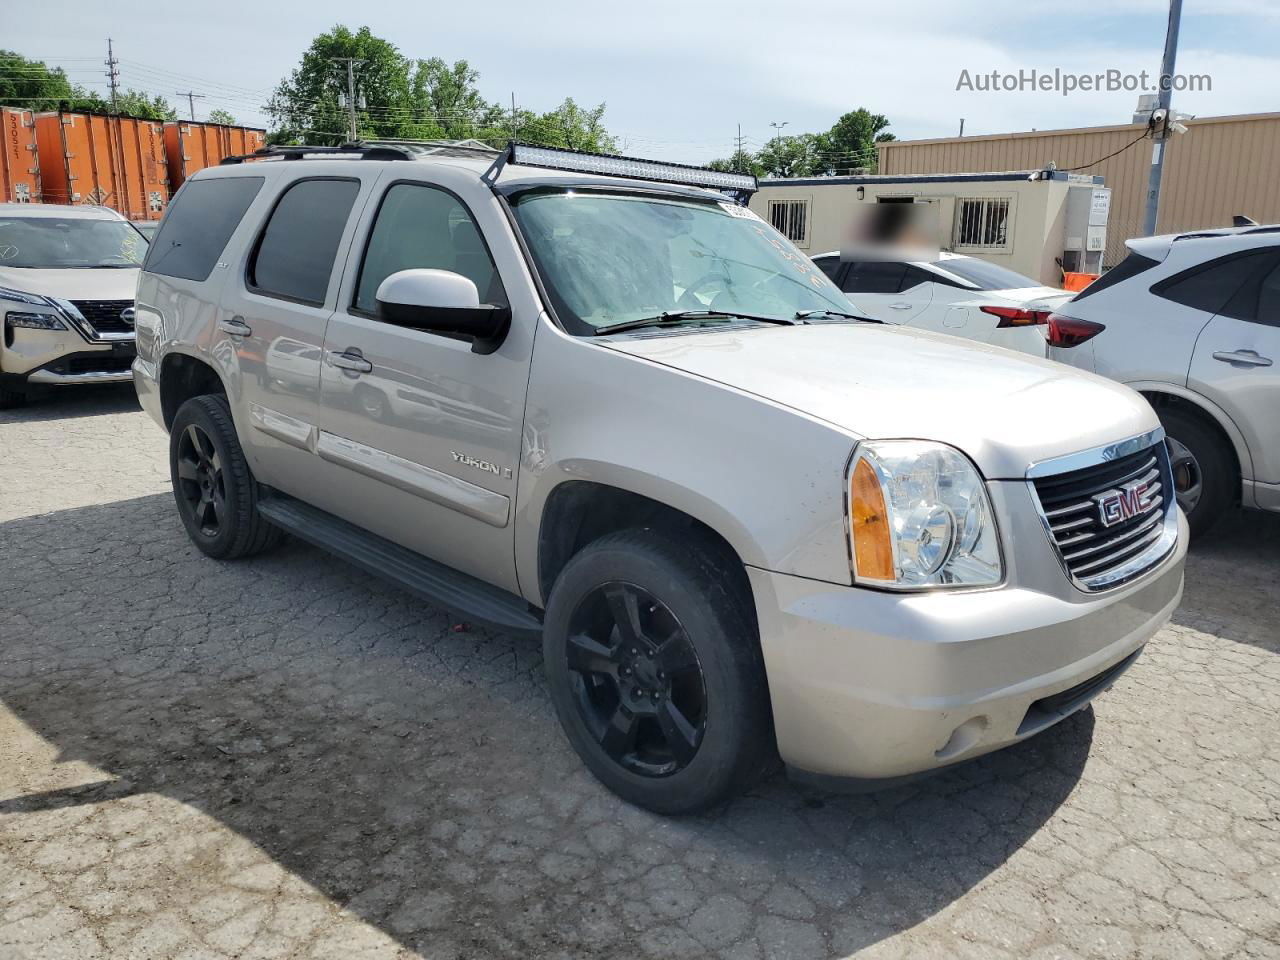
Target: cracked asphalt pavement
x: 287, y: 758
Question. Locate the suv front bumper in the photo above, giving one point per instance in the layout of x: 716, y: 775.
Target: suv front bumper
x: 872, y: 685
x: 54, y: 358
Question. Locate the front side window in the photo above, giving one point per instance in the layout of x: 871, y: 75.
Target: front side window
x: 53, y: 243
x: 422, y: 227
x: 875, y: 276
x: 295, y: 256
x: 616, y: 258
x: 198, y: 225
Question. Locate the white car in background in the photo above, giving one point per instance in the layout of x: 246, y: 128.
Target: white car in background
x: 1193, y: 323
x: 955, y: 294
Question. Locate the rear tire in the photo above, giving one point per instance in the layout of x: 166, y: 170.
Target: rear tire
x: 655, y: 671
x: 9, y: 399
x: 214, y: 488
x: 1204, y: 471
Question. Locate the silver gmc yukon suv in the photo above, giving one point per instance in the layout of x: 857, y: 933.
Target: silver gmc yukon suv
x: 597, y: 400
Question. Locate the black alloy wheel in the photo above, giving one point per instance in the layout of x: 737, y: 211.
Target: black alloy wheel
x: 200, y: 480
x: 636, y: 679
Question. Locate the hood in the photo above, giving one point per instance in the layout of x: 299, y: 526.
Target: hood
x: 1005, y: 410
x: 73, y: 283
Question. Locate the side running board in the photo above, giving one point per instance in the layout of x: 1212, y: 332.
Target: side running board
x: 457, y: 592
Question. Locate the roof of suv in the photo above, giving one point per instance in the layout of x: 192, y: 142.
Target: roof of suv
x: 61, y: 211
x: 477, y: 160
x: 1214, y: 241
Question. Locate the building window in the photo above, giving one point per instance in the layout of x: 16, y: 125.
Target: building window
x: 982, y: 223
x: 791, y: 219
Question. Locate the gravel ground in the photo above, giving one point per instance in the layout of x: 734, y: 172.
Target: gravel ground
x: 287, y: 758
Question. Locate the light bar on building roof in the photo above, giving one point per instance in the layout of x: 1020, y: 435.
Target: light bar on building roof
x: 554, y: 158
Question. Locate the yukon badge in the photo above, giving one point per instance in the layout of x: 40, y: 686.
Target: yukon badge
x: 1115, y: 506
x: 469, y: 461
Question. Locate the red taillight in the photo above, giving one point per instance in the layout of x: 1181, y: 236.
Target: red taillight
x: 1016, y: 317
x: 1070, y: 332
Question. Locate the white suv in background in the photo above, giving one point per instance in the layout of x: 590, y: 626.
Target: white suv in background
x: 955, y: 294
x: 67, y: 278
x: 1193, y: 323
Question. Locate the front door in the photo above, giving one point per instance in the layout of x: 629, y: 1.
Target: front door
x: 1237, y: 366
x: 426, y: 430
x: 888, y: 290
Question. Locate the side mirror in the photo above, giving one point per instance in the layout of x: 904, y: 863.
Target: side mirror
x: 442, y: 302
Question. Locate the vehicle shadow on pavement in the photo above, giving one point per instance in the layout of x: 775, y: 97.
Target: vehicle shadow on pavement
x: 1242, y: 550
x: 414, y: 774
x: 74, y: 402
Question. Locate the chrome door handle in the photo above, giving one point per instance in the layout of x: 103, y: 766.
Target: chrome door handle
x: 236, y: 327
x: 347, y: 361
x: 1247, y: 358
x: 899, y: 306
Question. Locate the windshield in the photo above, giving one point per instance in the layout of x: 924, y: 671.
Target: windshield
x: 613, y: 258
x: 987, y: 276
x: 48, y: 243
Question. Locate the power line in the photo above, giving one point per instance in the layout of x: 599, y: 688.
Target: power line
x: 191, y: 96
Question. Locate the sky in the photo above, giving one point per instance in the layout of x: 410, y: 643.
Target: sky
x: 679, y: 76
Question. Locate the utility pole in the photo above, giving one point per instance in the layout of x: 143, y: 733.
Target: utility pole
x: 1160, y: 125
x: 113, y: 75
x: 962, y: 126
x: 351, y: 63
x: 779, y: 126
x: 191, y: 96
x: 738, y: 141
x: 515, y: 118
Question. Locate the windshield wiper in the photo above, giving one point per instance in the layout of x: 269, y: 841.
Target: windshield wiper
x: 804, y: 316
x: 675, y: 318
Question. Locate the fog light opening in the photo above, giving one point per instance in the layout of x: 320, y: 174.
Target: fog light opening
x: 965, y: 737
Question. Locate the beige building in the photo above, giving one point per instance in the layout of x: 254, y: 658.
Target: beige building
x: 1222, y: 166
x: 1007, y: 218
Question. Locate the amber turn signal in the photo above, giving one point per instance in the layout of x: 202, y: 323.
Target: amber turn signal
x: 869, y: 520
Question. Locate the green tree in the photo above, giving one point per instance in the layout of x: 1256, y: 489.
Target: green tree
x: 222, y: 117
x: 32, y: 85
x: 448, y: 105
x: 569, y: 126
x: 134, y: 103
x: 742, y: 161
x: 309, y: 104
x: 795, y: 156
x: 850, y: 143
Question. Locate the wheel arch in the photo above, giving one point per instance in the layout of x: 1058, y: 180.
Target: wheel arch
x: 183, y: 376
x: 1165, y: 396
x: 577, y: 512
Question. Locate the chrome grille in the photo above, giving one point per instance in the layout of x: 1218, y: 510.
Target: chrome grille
x: 1110, y: 521
x: 104, y: 315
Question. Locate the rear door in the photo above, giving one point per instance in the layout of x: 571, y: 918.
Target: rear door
x: 888, y: 290
x: 1237, y: 364
x: 273, y: 317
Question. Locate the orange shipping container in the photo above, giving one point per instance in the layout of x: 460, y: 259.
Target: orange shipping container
x: 19, y: 170
x: 110, y: 161
x: 192, y: 146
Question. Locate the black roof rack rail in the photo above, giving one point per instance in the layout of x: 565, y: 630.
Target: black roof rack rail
x: 362, y: 151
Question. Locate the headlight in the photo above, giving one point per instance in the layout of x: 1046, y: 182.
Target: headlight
x: 34, y: 321
x: 8, y: 293
x: 919, y: 516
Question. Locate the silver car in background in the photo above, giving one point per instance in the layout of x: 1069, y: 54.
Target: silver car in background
x: 1192, y: 321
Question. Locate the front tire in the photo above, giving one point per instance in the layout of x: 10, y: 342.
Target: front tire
x: 215, y: 491
x: 655, y: 671
x: 1204, y: 473
x: 9, y: 399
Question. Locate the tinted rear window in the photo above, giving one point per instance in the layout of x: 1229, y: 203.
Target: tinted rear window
x: 296, y: 253
x: 1130, y: 266
x: 198, y: 225
x: 1209, y: 286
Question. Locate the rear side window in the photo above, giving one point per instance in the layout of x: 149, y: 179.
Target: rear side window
x: 198, y: 225
x: 1209, y: 286
x: 296, y: 253
x: 874, y: 276
x: 1130, y: 266
x: 422, y: 227
x: 914, y: 276
x: 1258, y: 299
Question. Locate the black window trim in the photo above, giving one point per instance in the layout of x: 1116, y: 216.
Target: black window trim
x: 1160, y: 286
x: 252, y: 259
x: 356, y: 311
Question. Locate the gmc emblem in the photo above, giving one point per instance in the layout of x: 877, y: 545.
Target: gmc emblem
x: 1115, y: 506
